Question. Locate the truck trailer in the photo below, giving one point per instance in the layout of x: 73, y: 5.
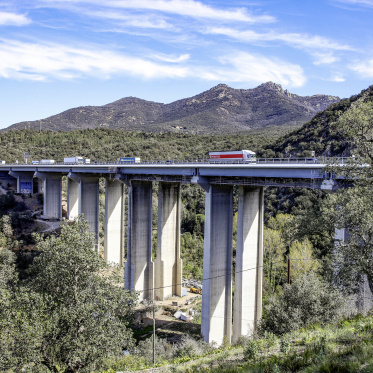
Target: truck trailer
x: 47, y: 161
x: 129, y: 160
x: 233, y: 155
x: 76, y: 160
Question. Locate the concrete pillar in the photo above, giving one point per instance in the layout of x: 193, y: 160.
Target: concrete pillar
x: 168, y: 265
x: 247, y: 309
x: 139, y: 273
x: 40, y: 186
x: 113, y: 252
x: 217, y: 265
x: 88, y: 201
x: 72, y: 199
x: 24, y: 181
x: 52, y: 207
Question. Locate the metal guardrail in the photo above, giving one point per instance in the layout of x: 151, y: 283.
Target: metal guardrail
x: 321, y: 160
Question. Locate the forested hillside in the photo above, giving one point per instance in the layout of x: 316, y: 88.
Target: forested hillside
x: 319, y: 134
x: 109, y: 145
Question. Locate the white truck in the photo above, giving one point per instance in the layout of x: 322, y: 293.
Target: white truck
x: 2, y: 162
x: 76, y: 160
x: 233, y: 155
x: 47, y: 161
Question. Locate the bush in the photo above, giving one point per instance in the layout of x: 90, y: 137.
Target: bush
x: 307, y: 301
x: 163, y: 350
x: 189, y: 346
x: 251, y: 350
x: 284, y: 345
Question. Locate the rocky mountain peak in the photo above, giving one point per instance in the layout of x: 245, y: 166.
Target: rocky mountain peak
x: 221, y: 109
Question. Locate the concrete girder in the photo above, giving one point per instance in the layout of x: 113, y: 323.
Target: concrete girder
x: 168, y: 264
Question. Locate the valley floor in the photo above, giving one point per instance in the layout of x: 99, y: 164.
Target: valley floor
x: 344, y: 347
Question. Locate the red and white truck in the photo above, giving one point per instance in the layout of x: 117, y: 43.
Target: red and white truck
x: 233, y: 155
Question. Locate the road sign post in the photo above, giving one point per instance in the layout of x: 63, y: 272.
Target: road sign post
x: 26, y: 156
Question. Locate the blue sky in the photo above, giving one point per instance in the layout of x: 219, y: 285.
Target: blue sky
x: 59, y: 54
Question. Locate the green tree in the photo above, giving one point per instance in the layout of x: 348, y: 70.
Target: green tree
x: 353, y: 203
x: 80, y: 313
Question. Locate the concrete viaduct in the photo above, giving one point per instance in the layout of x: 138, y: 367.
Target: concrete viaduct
x: 164, y: 275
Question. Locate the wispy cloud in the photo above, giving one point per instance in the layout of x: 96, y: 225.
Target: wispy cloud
x: 259, y: 69
x: 189, y: 8
x: 324, y: 58
x: 368, y: 3
x: 141, y: 21
x: 293, y: 39
x: 37, y: 61
x: 364, y: 69
x: 13, y: 19
x: 43, y: 61
x: 171, y: 59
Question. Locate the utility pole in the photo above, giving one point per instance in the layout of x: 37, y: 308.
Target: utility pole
x: 153, y: 332
x: 289, y: 264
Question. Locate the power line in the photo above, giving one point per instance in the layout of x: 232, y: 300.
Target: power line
x: 209, y: 278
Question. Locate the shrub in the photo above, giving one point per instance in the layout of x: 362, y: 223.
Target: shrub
x: 307, y: 301
x: 284, y: 345
x: 189, y: 346
x: 251, y: 350
x: 163, y: 350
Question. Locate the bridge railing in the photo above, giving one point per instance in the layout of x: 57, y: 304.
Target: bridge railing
x: 306, y: 160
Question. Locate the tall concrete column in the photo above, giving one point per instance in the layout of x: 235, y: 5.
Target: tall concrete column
x: 139, y: 273
x: 72, y: 199
x: 247, y: 309
x: 217, y: 265
x: 113, y: 252
x: 88, y: 201
x: 52, y: 207
x: 168, y: 265
x: 24, y: 181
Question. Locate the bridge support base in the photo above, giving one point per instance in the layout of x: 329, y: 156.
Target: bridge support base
x: 168, y: 264
x: 217, y: 265
x: 139, y: 271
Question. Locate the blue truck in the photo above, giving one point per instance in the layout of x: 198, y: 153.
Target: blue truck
x: 129, y: 160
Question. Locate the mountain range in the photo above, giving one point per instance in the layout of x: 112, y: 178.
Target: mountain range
x: 221, y: 109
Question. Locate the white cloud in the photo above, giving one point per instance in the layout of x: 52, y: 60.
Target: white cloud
x: 172, y: 59
x: 368, y: 3
x: 259, y: 69
x: 365, y: 69
x: 296, y: 40
x: 143, y: 21
x: 190, y: 8
x: 324, y: 58
x: 41, y: 61
x: 13, y: 19
x: 338, y: 79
